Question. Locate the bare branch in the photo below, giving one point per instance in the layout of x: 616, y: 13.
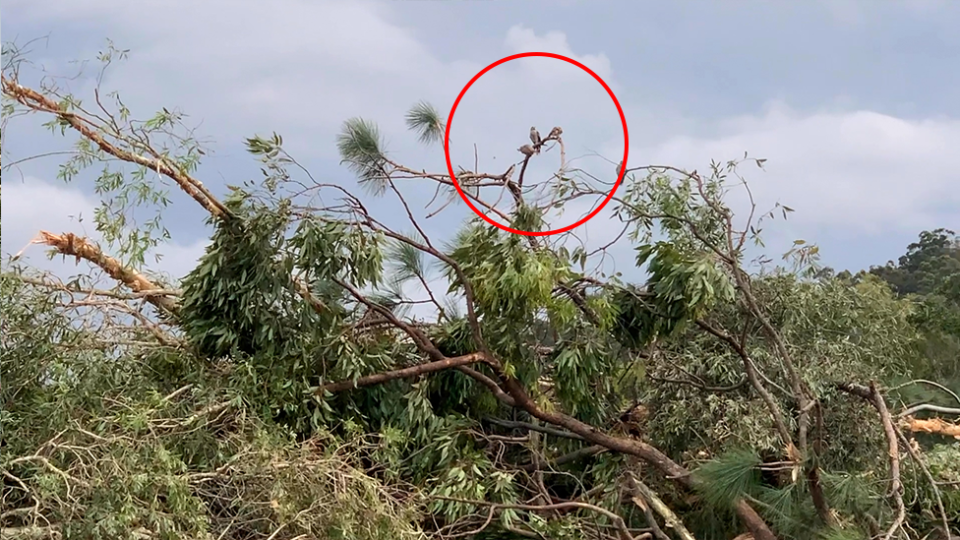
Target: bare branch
x: 647, y: 495
x: 412, y: 371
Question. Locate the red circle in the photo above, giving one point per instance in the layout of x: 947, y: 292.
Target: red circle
x: 623, y: 120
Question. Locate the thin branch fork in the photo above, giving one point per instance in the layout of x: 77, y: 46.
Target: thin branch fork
x: 775, y: 413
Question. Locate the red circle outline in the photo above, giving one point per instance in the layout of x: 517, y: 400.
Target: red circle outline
x: 623, y: 120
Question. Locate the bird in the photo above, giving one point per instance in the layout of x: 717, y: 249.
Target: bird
x: 526, y: 150
x: 555, y: 133
x: 535, y: 137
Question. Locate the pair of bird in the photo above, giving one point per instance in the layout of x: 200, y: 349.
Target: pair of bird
x: 528, y: 150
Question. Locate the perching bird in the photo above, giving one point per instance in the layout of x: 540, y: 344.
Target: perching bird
x: 526, y: 150
x: 535, y: 137
x: 555, y: 133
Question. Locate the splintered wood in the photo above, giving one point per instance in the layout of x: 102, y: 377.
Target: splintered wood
x: 72, y: 245
x: 932, y: 425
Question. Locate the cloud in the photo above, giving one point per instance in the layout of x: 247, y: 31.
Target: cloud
x: 34, y: 205
x: 521, y: 39
x: 301, y: 68
x: 252, y: 66
x: 246, y: 67
x: 853, y: 171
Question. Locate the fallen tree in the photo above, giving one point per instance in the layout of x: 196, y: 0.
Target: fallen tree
x: 297, y: 312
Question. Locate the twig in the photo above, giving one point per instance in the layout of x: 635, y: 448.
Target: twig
x: 533, y: 427
x: 930, y: 383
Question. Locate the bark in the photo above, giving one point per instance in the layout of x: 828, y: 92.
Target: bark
x: 874, y: 397
x: 750, y: 518
x: 76, y: 246
x: 670, y: 519
x: 412, y: 371
x: 893, y: 449
x: 932, y: 425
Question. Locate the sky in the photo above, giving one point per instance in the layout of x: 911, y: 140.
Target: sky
x: 853, y: 104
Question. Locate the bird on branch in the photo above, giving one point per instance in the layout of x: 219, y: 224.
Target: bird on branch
x: 535, y: 139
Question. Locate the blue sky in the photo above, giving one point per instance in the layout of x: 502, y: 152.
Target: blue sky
x: 854, y: 104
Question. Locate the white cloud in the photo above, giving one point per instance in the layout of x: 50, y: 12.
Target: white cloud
x: 245, y: 67
x: 250, y: 66
x: 521, y: 39
x: 301, y: 68
x: 857, y: 171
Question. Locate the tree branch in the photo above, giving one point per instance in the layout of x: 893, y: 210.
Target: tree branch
x: 872, y: 394
x: 933, y: 425
x: 412, y: 371
x: 647, y: 495
x: 533, y: 427
x: 193, y: 187
x: 76, y: 246
x: 643, y: 450
x: 585, y: 452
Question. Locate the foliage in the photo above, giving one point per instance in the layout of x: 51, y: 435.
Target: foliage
x: 96, y: 447
x: 929, y: 275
